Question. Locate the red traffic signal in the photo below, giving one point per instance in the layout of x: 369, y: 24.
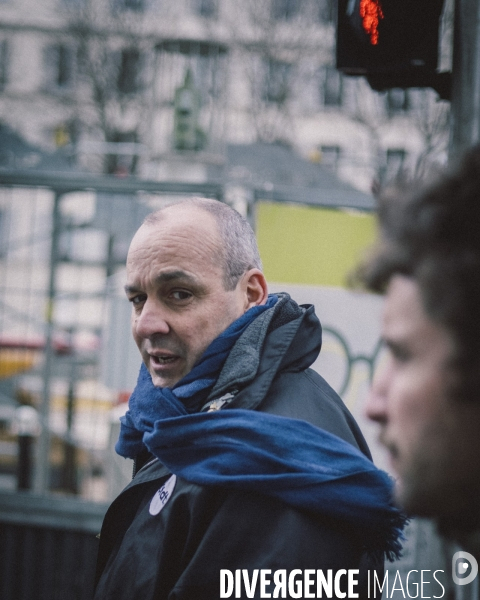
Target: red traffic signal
x: 394, y: 43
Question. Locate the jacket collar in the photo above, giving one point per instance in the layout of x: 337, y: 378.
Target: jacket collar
x: 286, y: 337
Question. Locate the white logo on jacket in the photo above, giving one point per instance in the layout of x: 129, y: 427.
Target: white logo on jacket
x: 162, y: 496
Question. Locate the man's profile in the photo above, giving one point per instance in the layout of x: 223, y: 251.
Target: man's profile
x: 246, y: 459
x: 426, y: 396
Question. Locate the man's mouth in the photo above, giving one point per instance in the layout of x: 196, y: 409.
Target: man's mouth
x: 163, y: 359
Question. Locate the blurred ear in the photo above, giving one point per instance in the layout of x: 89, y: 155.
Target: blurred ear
x: 255, y: 286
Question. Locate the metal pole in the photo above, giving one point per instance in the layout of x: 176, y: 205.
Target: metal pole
x: 27, y: 427
x: 25, y: 462
x: 465, y: 107
x: 43, y: 461
x: 69, y: 470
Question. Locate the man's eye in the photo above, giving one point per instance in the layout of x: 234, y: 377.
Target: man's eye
x: 181, y: 295
x: 401, y: 354
x: 137, y: 300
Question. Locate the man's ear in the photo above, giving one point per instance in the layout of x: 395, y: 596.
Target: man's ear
x: 256, y: 289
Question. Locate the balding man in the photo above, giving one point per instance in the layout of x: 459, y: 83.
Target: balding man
x: 248, y: 465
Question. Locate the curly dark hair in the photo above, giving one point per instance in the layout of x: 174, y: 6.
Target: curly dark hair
x: 432, y: 234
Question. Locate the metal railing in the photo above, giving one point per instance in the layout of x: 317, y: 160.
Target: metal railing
x: 48, y: 547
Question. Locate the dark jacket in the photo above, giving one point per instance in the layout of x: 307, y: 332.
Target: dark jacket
x: 178, y: 553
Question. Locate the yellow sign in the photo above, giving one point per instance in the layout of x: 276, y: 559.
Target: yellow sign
x: 310, y: 245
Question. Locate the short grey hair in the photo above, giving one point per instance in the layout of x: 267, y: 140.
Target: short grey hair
x: 238, y: 243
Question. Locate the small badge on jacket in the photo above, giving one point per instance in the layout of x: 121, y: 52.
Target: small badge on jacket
x: 162, y: 496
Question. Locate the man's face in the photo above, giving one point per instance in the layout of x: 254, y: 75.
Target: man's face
x: 432, y: 440
x: 175, y: 285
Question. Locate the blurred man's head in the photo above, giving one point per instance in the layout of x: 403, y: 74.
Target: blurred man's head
x: 426, y: 396
x: 192, y: 269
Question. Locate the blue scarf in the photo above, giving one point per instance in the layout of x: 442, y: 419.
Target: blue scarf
x: 291, y: 460
x: 147, y: 404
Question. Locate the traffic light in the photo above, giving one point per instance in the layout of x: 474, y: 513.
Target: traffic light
x: 393, y: 43
x: 187, y: 134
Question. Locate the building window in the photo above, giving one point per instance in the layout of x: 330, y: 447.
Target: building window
x: 332, y: 87
x: 133, y: 5
x: 64, y: 66
x: 3, y: 64
x: 129, y: 71
x: 205, y: 8
x: 394, y: 163
x: 60, y: 66
x: 276, y: 88
x: 285, y: 9
x: 397, y: 100
x: 330, y: 157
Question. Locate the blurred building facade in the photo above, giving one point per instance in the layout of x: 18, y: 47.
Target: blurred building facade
x: 158, y: 88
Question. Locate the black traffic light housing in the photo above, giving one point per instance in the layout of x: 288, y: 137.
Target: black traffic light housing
x: 393, y: 43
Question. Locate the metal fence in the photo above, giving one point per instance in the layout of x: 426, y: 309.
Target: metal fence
x: 63, y: 243
x: 48, y: 547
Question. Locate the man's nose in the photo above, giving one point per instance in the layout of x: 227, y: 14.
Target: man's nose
x: 376, y: 405
x: 151, y: 320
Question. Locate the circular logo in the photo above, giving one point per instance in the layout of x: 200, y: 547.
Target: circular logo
x: 464, y: 568
x: 162, y: 496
